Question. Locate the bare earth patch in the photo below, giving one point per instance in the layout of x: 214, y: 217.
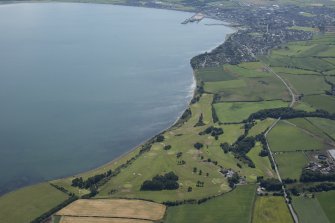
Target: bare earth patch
x: 114, y: 208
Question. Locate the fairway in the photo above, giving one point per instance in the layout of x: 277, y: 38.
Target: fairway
x: 290, y: 164
x: 114, y: 208
x: 239, y: 111
x: 269, y: 209
x: 288, y: 137
x: 28, y: 203
x: 326, y: 200
x: 263, y: 165
x: 309, y: 210
x: 235, y: 206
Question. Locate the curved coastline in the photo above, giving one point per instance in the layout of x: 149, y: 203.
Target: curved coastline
x: 193, y: 89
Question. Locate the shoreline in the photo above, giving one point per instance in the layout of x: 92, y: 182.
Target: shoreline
x: 190, y: 95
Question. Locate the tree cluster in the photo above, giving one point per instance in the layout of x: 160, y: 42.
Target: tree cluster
x: 167, y: 181
x: 198, y: 145
x: 271, y: 184
x: 81, y: 183
x: 233, y: 180
x: 316, y: 176
x: 288, y: 113
x: 215, y: 132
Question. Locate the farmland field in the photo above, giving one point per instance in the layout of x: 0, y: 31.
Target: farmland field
x: 324, y: 102
x: 287, y: 137
x: 253, y: 89
x: 290, y: 164
x: 235, y: 206
x: 326, y: 200
x: 100, y: 220
x: 28, y: 203
x: 272, y: 210
x: 309, y: 210
x: 328, y: 126
x: 215, y: 74
x: 219, y: 86
x: 239, y: 111
x: 114, y: 208
x: 302, y: 85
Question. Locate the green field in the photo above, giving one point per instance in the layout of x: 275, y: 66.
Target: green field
x: 294, y: 71
x: 326, y: 200
x: 271, y: 209
x: 326, y: 125
x: 263, y: 165
x: 324, y: 102
x: 251, y: 69
x: 235, y: 206
x: 309, y: 210
x: 260, y: 126
x: 287, y: 137
x: 302, y: 85
x: 239, y: 111
x: 220, y: 86
x: 253, y: 89
x: 290, y: 164
x: 28, y: 203
x: 214, y: 74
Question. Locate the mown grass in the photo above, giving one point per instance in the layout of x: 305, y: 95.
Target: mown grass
x: 260, y: 126
x: 28, y: 203
x: 263, y: 165
x: 287, y: 137
x: 290, y: 164
x: 239, y: 111
x: 326, y: 200
x: 309, y: 210
x: 271, y: 209
x: 182, y: 139
x: 235, y: 206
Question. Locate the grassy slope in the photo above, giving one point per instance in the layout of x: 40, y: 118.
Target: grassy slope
x: 232, y: 207
x: 272, y: 210
x: 28, y: 203
x: 309, y: 210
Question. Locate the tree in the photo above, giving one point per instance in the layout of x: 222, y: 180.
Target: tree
x: 198, y: 145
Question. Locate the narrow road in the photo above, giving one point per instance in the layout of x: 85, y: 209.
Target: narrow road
x: 293, y: 101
